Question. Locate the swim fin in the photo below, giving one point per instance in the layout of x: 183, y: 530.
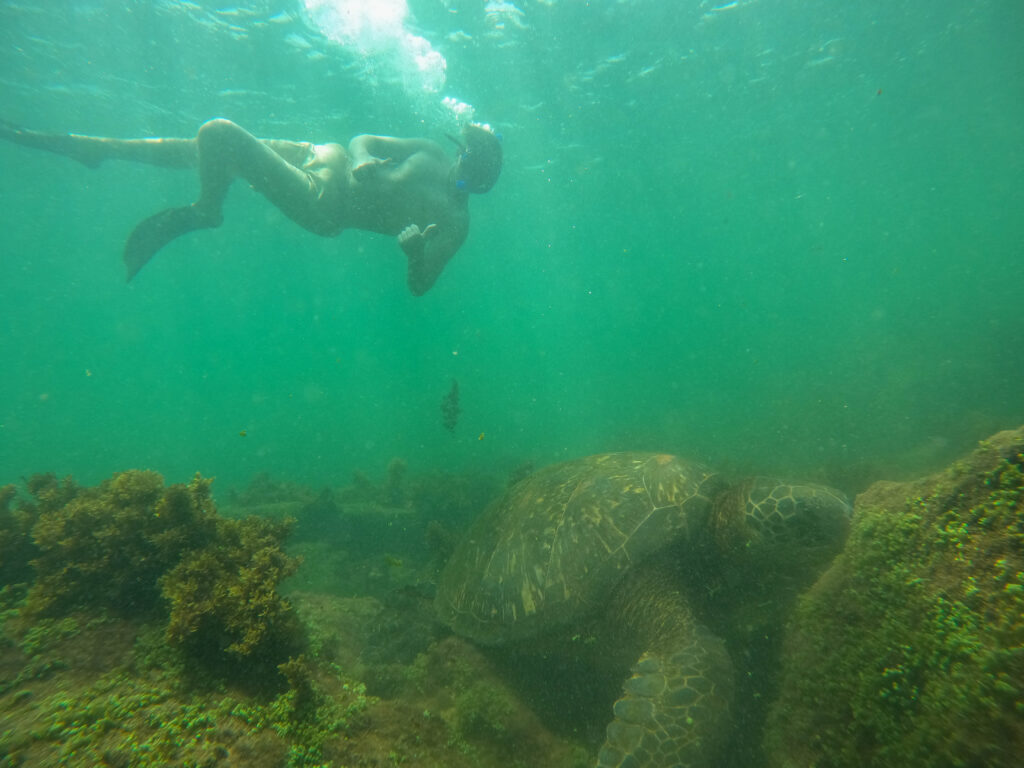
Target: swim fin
x: 158, y: 230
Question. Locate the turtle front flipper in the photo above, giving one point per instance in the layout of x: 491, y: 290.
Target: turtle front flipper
x: 674, y: 712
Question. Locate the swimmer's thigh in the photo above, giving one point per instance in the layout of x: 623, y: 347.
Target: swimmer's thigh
x: 227, y: 149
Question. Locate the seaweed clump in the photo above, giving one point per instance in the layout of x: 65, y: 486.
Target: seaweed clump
x: 16, y: 547
x: 224, y: 607
x: 107, y: 547
x: 136, y: 549
x: 910, y: 650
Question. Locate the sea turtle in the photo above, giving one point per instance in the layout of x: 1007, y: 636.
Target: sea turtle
x: 592, y: 542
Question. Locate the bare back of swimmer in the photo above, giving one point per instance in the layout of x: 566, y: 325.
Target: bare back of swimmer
x: 404, y: 188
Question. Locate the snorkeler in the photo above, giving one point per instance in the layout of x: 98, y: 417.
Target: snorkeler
x: 405, y: 188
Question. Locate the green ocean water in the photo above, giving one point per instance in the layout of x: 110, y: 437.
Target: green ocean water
x: 778, y: 236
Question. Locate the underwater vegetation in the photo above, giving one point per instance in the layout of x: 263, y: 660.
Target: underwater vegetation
x: 133, y: 548
x: 223, y: 600
x: 910, y: 649
x: 16, y: 546
x: 109, y: 692
x: 377, y: 532
x: 140, y: 627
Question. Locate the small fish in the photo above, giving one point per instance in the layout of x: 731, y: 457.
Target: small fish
x: 393, y: 561
x: 243, y: 433
x: 480, y: 436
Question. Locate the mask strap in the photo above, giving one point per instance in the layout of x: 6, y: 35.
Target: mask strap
x: 462, y: 147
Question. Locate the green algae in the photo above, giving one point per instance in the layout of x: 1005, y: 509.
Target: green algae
x: 223, y: 603
x: 139, y: 550
x: 16, y: 547
x: 208, y: 665
x: 306, y: 715
x: 146, y: 711
x: 130, y: 720
x: 910, y: 650
x: 107, y: 547
x: 483, y: 710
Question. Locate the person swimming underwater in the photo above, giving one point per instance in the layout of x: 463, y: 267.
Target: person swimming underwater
x: 405, y: 188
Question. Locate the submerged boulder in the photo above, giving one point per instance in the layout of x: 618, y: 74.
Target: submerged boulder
x: 909, y: 651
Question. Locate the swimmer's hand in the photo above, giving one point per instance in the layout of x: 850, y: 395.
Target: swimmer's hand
x: 413, y: 241
x: 366, y: 168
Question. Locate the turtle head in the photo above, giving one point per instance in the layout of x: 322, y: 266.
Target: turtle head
x: 801, y: 521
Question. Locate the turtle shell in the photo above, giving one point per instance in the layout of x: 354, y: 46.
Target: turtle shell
x: 553, y: 547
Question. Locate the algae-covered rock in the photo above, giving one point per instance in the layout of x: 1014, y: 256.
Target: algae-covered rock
x: 16, y: 547
x: 106, y: 547
x: 136, y: 549
x: 223, y: 600
x: 910, y: 650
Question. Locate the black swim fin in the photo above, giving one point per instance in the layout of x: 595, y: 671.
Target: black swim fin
x: 158, y: 230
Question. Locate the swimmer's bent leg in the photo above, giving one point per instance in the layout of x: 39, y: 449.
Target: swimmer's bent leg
x: 227, y: 151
